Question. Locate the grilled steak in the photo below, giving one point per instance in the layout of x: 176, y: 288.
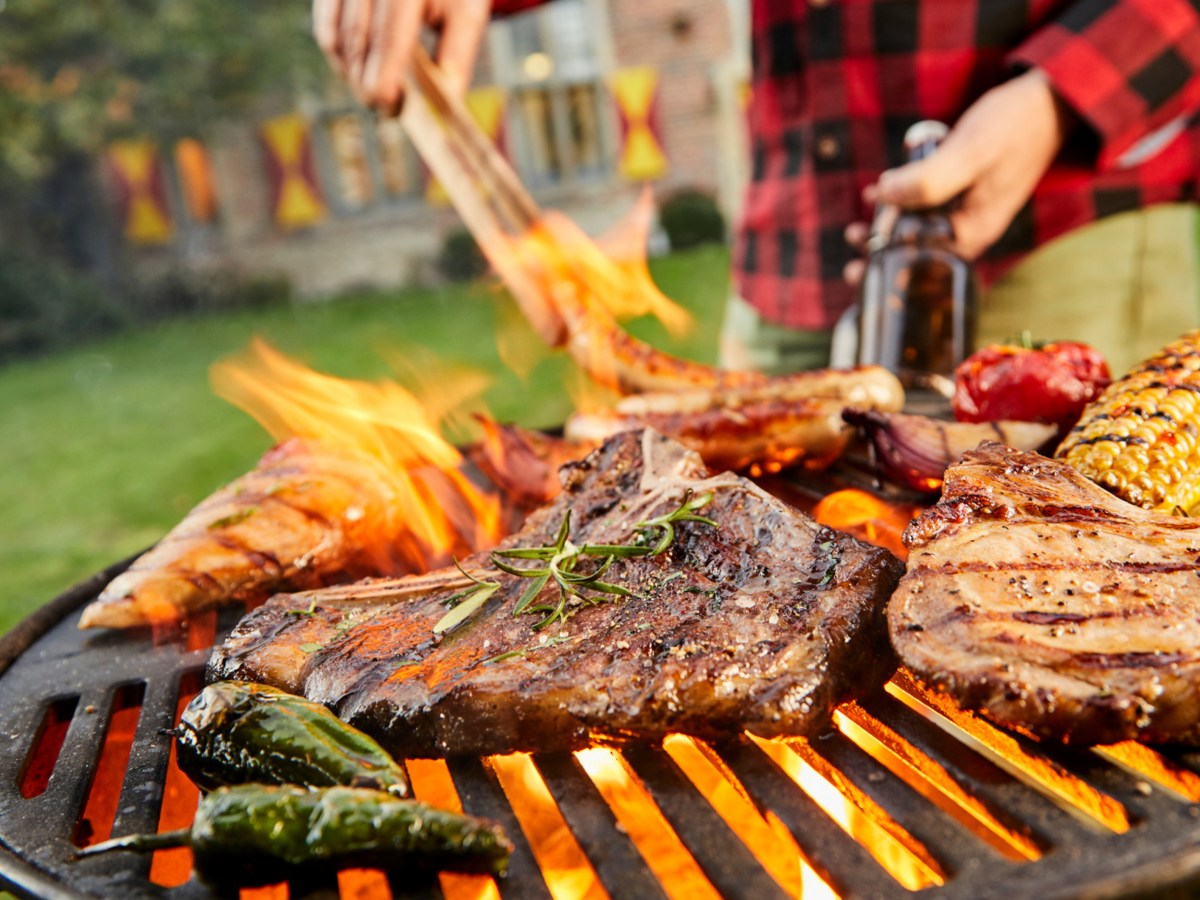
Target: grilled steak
x: 764, y: 622
x: 1039, y: 598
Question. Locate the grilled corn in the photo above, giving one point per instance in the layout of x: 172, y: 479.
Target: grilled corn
x: 1139, y: 438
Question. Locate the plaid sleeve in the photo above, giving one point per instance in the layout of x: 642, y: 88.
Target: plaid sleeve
x: 508, y: 7
x: 1126, y: 67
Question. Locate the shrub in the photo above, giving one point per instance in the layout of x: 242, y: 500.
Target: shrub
x: 690, y: 217
x: 187, y: 293
x: 44, y: 305
x: 460, y: 258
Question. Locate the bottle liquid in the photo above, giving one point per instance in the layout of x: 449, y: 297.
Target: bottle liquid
x: 918, y: 296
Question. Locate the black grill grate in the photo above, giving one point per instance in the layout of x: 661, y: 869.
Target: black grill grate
x: 49, y: 670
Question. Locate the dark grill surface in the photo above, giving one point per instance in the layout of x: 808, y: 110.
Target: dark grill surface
x: 894, y: 759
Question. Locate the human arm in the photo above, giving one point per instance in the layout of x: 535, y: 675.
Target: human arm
x: 1122, y: 69
x: 991, y: 160
x: 370, y: 42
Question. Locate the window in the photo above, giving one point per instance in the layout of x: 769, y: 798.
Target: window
x: 550, y: 61
x: 398, y: 162
x: 355, y: 185
x: 364, y: 160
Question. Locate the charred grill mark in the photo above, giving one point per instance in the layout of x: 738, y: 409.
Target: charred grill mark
x: 1058, y: 515
x: 1034, y: 617
x: 260, y: 558
x: 961, y: 613
x: 205, y: 583
x: 1127, y: 439
x: 1129, y: 567
x: 313, y: 515
x: 966, y: 503
x: 252, y: 502
x: 1134, y: 660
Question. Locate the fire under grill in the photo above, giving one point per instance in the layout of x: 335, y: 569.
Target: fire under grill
x: 906, y: 794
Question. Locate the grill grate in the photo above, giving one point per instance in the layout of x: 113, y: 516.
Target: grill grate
x: 906, y: 794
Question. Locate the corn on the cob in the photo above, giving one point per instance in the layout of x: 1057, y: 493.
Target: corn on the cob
x: 1139, y: 439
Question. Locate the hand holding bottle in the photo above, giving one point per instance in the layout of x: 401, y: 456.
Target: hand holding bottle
x: 917, y: 307
x: 991, y: 160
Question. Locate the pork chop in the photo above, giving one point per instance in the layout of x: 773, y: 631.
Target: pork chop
x: 1047, y: 603
x: 765, y: 621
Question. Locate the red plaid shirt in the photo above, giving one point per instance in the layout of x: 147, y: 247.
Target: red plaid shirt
x: 837, y: 83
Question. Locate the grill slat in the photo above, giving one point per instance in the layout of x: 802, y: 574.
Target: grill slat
x: 62, y: 803
x: 955, y: 848
x: 47, y: 659
x: 614, y: 857
x: 1026, y: 810
x: 834, y: 854
x: 725, y: 861
x: 482, y: 795
x: 141, y: 794
x: 1138, y: 795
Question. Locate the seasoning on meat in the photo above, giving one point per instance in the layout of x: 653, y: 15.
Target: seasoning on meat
x: 306, y: 516
x: 1042, y: 600
x: 764, y: 623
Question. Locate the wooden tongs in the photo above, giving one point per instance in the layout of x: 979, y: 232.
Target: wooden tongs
x: 483, y: 187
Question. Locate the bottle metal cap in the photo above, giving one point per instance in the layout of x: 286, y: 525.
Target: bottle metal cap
x: 925, y: 131
x: 921, y: 139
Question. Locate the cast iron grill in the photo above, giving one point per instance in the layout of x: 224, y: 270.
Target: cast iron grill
x: 980, y: 811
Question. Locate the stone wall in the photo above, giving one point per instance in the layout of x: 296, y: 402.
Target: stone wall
x: 394, y: 241
x: 685, y: 40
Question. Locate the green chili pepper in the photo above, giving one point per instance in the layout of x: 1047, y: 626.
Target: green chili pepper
x: 236, y: 732
x: 251, y: 834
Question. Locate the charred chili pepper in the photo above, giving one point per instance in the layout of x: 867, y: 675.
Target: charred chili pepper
x: 236, y: 732
x: 248, y: 835
x: 1051, y: 383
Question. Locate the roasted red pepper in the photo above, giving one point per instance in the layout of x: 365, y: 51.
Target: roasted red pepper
x: 1051, y: 383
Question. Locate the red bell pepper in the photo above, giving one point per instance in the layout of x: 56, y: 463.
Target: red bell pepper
x: 1051, y: 383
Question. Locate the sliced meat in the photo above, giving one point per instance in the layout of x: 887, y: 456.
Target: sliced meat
x: 1042, y: 600
x: 765, y: 622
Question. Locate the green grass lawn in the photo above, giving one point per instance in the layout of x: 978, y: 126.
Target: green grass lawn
x: 104, y: 448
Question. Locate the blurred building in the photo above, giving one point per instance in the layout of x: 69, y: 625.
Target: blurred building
x: 588, y: 99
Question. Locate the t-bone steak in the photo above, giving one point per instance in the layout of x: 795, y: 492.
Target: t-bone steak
x: 765, y: 622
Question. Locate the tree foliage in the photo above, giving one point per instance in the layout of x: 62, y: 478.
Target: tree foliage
x: 74, y: 75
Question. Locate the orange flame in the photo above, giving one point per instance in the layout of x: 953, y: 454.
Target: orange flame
x: 587, y: 285
x: 1074, y: 795
x: 904, y: 858
x: 763, y: 834
x: 564, y: 866
x: 867, y: 517
x: 610, y: 275
x: 630, y: 291
x: 432, y: 784
x: 676, y: 870
x: 442, y: 512
x: 930, y: 779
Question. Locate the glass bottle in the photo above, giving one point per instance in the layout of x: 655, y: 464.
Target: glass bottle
x: 918, y: 296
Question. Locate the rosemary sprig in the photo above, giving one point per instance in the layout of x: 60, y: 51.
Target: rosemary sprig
x: 311, y: 610
x: 525, y: 651
x: 466, y: 602
x: 562, y: 557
